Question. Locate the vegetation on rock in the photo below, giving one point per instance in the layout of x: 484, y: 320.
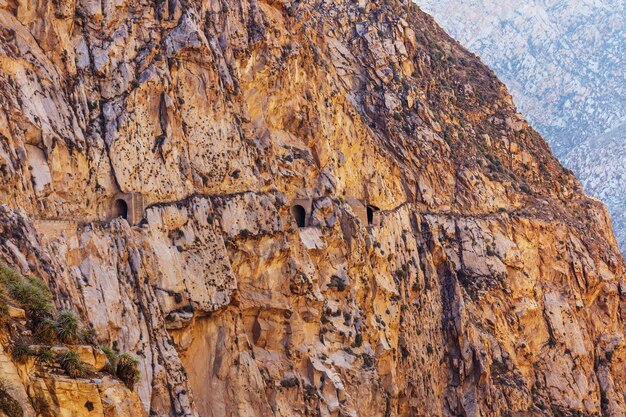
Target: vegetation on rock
x: 68, y: 327
x: 128, y: 370
x: 50, y: 327
x: 9, y: 405
x: 72, y: 365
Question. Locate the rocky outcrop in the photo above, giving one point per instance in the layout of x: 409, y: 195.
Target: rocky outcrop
x: 490, y: 285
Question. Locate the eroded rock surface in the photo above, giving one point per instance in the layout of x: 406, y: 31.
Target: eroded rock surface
x: 491, y: 285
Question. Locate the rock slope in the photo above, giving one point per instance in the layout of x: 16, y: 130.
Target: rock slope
x: 565, y: 63
x: 481, y: 281
x: 563, y: 60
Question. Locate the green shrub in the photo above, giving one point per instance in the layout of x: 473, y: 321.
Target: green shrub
x: 4, y: 311
x: 31, y: 293
x: 110, y: 353
x: 88, y: 335
x: 46, y: 357
x: 128, y: 370
x: 46, y: 330
x: 8, y: 275
x: 21, y: 351
x: 112, y: 356
x: 9, y: 405
x: 72, y: 365
x: 68, y: 327
x: 34, y: 297
x: 124, y: 366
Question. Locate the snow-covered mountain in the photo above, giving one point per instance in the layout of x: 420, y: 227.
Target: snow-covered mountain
x: 564, y: 61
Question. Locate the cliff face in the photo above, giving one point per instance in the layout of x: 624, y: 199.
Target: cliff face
x: 486, y: 285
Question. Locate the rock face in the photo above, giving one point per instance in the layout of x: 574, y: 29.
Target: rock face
x: 45, y: 391
x: 564, y: 63
x: 487, y: 283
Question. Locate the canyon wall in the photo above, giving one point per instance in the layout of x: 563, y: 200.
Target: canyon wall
x: 483, y: 283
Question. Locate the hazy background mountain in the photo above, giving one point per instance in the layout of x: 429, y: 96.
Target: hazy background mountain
x: 564, y: 62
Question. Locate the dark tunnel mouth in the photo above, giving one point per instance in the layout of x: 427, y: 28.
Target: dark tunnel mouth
x: 370, y: 214
x: 120, y: 209
x: 299, y: 215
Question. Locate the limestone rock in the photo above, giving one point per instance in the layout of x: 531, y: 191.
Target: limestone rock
x: 447, y: 264
x: 16, y: 313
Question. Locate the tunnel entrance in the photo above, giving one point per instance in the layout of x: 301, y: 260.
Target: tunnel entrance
x: 371, y: 210
x: 130, y: 206
x: 120, y: 209
x: 299, y: 215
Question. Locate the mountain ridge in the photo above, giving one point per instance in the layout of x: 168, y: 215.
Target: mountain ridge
x: 565, y: 65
